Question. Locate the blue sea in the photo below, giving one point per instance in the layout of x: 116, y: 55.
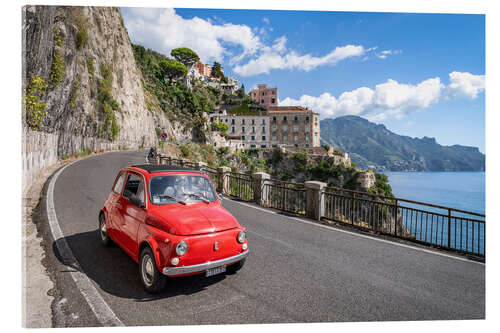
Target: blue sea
x: 461, y: 190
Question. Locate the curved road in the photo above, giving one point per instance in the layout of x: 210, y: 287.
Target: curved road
x: 296, y: 272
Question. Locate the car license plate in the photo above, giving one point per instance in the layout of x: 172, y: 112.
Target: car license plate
x: 215, y: 271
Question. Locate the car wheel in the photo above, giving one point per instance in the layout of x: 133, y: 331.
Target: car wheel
x: 236, y: 267
x: 152, y: 279
x: 105, y: 240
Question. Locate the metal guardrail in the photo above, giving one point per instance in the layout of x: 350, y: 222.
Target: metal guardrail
x: 424, y: 223
x: 421, y: 222
x: 239, y: 185
x: 286, y: 196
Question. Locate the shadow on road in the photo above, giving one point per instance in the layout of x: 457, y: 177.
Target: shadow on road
x: 117, y: 274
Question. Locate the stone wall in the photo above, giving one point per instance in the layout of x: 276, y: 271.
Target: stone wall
x: 41, y: 150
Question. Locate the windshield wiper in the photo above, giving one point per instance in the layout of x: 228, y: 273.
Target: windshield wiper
x: 202, y: 198
x: 171, y: 198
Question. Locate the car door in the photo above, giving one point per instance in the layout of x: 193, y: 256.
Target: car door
x: 113, y: 205
x: 132, y: 214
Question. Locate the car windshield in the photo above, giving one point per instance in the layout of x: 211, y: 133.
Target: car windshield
x: 180, y: 188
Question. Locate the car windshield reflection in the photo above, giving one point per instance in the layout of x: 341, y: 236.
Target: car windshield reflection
x: 170, y: 189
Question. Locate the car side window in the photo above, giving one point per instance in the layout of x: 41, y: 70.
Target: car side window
x: 119, y: 183
x: 134, y: 187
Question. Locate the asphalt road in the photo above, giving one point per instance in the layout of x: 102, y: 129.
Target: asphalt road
x: 296, y: 272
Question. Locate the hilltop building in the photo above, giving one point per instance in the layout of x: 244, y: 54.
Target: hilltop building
x: 264, y: 95
x: 294, y: 126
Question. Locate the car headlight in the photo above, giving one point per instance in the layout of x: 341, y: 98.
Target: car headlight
x: 241, y: 237
x: 181, y: 248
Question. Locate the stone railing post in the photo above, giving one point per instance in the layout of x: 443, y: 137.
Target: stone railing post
x: 259, y: 191
x: 200, y: 165
x: 223, y: 180
x: 314, y: 199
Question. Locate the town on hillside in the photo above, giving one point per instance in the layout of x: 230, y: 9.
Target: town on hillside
x: 264, y: 124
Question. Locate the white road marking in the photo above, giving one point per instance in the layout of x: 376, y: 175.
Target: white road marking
x: 101, y: 309
x: 356, y: 234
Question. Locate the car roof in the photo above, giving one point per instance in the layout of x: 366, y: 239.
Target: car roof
x: 155, y: 168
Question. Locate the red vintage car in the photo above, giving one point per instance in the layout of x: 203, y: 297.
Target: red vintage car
x: 170, y: 220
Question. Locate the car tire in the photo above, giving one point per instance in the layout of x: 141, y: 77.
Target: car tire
x: 103, y: 235
x: 152, y: 279
x: 236, y: 267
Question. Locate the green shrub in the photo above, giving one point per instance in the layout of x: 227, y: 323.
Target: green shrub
x: 74, y: 93
x: 107, y: 104
x: 82, y: 36
x: 58, y: 66
x: 327, y: 147
x: 90, y: 66
x: 35, y: 108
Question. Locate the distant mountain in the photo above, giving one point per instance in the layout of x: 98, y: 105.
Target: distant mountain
x: 372, y: 145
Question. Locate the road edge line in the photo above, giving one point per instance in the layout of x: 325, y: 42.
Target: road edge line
x: 357, y: 234
x: 101, y: 309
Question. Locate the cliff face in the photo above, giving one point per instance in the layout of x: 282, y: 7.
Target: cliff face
x: 94, y: 91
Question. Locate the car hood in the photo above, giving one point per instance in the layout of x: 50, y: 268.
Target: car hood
x: 195, y: 219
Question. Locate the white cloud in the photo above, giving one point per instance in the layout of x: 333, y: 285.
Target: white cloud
x: 383, y: 54
x: 465, y: 85
x: 391, y: 99
x: 271, y: 58
x: 265, y: 20
x: 164, y: 30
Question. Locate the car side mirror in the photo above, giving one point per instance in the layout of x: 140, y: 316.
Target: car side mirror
x: 134, y: 200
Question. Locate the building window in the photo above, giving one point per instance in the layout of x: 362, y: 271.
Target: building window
x: 295, y: 138
x: 253, y: 129
x: 307, y: 138
x: 261, y: 101
x: 284, y: 138
x: 263, y: 138
x: 273, y: 100
x: 263, y: 121
x: 307, y: 145
x: 307, y: 119
x: 295, y: 128
x: 274, y: 138
x: 284, y: 119
x: 262, y: 146
x: 225, y: 120
x: 243, y: 121
x: 252, y: 146
x: 295, y: 119
x: 307, y: 129
x: 232, y: 129
x: 274, y: 120
x: 243, y: 138
x: 253, y: 121
x: 253, y: 138
x: 232, y: 121
x: 285, y: 128
x: 275, y: 128
x: 263, y: 129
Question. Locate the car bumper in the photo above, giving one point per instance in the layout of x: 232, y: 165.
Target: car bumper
x: 174, y: 271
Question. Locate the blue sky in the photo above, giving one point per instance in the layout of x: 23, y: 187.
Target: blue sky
x: 418, y: 74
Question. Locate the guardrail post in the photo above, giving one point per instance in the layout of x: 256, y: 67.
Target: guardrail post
x: 223, y: 179
x: 314, y: 199
x: 449, y: 230
x: 259, y: 192
x: 200, y: 165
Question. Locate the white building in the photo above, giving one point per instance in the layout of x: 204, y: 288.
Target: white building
x: 252, y: 130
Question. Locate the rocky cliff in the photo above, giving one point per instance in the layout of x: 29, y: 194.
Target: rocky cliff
x: 94, y: 93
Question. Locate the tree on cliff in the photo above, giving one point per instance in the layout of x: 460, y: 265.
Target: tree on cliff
x: 185, y: 55
x: 217, y: 70
x: 172, y: 69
